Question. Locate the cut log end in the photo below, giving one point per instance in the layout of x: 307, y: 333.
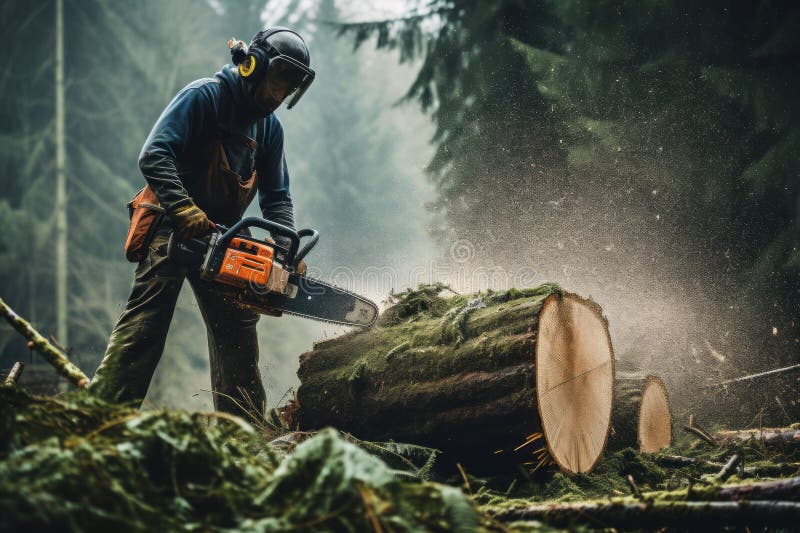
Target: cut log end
x: 655, y: 423
x: 575, y: 377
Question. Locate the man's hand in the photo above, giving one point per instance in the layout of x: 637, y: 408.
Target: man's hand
x: 301, y: 268
x: 190, y: 221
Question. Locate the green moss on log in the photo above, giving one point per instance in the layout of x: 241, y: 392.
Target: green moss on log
x: 434, y: 368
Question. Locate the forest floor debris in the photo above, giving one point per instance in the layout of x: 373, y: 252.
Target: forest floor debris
x: 76, y: 463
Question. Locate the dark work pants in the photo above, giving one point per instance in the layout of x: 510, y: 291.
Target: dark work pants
x: 138, y: 338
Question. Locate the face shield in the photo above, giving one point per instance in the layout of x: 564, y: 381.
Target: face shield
x: 287, y: 78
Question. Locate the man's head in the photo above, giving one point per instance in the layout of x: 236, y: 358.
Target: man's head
x: 276, y: 65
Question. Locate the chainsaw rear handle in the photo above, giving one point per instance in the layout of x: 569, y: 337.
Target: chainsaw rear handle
x: 292, y: 257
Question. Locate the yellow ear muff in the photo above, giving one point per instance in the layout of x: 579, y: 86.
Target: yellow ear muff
x: 248, y: 66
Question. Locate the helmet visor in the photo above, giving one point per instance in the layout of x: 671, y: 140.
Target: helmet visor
x: 288, y: 79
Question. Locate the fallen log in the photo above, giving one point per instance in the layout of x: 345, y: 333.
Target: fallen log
x: 487, y: 379
x: 659, y: 514
x: 780, y: 489
x: 51, y: 354
x: 769, y: 503
x: 761, y: 470
x: 641, y: 416
x: 769, y: 437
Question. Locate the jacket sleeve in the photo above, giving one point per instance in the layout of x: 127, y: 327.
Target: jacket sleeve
x: 273, y: 178
x: 182, y: 120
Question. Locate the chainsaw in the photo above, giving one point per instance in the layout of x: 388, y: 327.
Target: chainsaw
x: 262, y: 275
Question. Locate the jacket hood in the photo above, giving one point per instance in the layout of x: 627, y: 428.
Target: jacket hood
x: 246, y: 108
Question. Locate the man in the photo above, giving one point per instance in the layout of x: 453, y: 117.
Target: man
x: 214, y: 145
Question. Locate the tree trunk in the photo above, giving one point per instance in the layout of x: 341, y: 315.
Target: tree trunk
x: 487, y: 380
x: 641, y: 416
x: 61, y: 185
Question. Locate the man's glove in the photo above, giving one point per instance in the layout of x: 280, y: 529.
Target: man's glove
x: 301, y: 268
x: 190, y: 221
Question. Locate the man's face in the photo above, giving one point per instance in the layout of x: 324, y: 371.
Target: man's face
x: 274, y: 88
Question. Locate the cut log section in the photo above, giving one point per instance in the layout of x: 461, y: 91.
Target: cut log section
x: 488, y: 379
x: 641, y: 417
x: 574, y: 381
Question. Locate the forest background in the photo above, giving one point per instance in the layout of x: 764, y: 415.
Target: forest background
x: 642, y: 153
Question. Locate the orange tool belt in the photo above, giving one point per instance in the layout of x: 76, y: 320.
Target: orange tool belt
x: 145, y: 214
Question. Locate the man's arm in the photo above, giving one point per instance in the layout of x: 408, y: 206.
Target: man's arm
x: 273, y: 178
x: 182, y: 119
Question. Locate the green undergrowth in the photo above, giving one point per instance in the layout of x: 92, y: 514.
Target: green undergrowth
x: 75, y: 463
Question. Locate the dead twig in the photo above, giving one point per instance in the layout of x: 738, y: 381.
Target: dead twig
x: 464, y: 477
x: 692, y: 428
x: 634, y: 487
x: 14, y: 374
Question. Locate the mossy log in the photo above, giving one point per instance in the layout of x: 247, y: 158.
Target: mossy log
x: 489, y: 379
x: 698, y: 515
x: 641, y: 416
x: 763, y: 469
x: 767, y: 504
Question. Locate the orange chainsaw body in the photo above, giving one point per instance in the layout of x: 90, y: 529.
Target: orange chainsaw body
x: 246, y: 262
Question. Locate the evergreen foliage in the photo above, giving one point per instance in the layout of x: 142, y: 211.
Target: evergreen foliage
x: 611, y: 144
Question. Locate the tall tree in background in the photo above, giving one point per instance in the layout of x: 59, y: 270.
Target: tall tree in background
x: 62, y: 268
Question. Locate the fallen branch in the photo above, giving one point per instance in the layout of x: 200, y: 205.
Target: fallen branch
x: 659, y: 514
x: 766, y: 504
x: 14, y: 374
x: 766, y: 436
x: 729, y: 468
x: 777, y: 490
x: 765, y: 470
x: 692, y: 428
x: 52, y: 355
x: 679, y: 461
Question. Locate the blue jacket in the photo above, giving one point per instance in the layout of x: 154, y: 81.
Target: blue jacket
x: 171, y: 159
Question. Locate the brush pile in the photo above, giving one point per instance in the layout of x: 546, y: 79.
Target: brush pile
x: 78, y: 464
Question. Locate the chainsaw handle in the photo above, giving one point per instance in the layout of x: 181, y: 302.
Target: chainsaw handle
x: 272, y: 227
x: 307, y: 232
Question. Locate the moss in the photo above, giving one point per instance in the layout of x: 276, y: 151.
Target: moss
x: 410, y: 304
x: 80, y: 464
x: 357, y: 378
x: 454, y: 325
x: 392, y: 354
x: 543, y: 290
